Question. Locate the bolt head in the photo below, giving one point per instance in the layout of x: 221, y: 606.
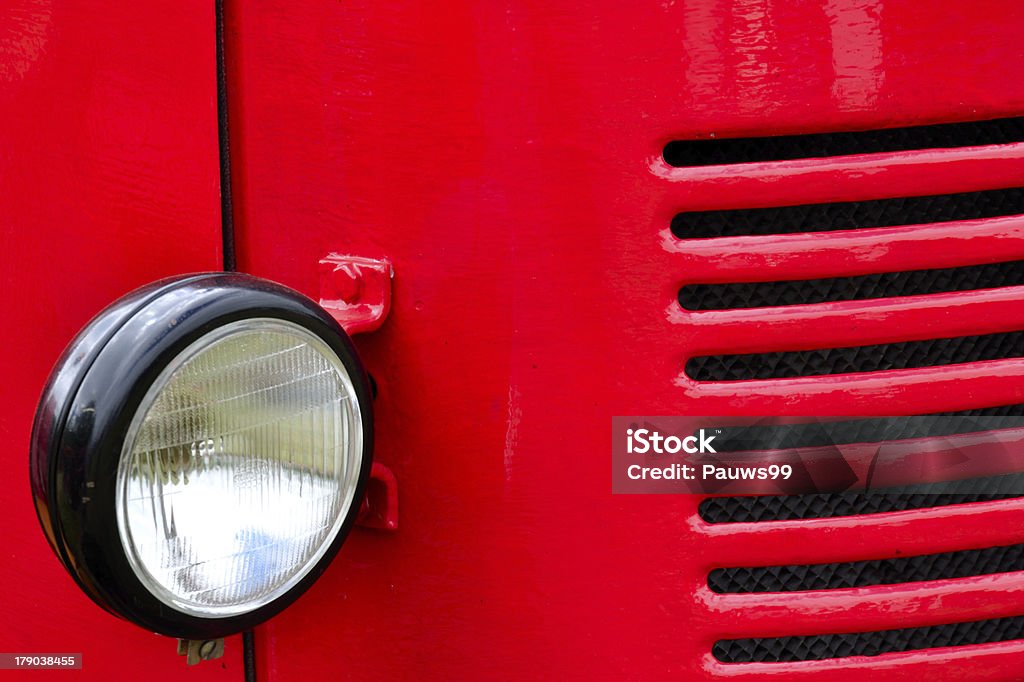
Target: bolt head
x: 346, y: 283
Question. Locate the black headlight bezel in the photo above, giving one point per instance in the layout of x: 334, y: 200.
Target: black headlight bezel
x: 89, y: 402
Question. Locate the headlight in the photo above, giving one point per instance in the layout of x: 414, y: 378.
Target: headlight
x: 200, y: 453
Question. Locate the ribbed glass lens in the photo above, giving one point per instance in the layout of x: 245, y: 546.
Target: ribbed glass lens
x: 239, y: 468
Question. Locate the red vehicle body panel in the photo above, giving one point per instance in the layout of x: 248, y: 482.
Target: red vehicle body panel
x: 109, y: 179
x: 507, y: 158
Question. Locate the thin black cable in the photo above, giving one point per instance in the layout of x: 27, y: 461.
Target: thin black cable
x: 249, y: 655
x: 226, y: 212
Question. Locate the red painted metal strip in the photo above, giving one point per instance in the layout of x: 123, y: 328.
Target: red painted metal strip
x: 850, y: 323
x: 862, y: 609
x: 847, y: 252
x: 856, y: 538
x: 894, y: 392
x: 845, y: 178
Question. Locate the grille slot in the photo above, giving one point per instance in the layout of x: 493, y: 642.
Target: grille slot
x: 711, y: 152
x: 794, y: 578
x: 752, y: 509
x: 880, y: 285
x: 820, y: 434
x: 875, y: 358
x: 821, y: 647
x: 848, y: 215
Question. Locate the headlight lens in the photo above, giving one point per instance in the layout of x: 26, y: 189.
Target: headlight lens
x: 239, y: 467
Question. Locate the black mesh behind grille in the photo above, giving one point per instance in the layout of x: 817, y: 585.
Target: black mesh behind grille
x: 879, y: 285
x: 753, y: 509
x: 944, y: 566
x: 874, y: 430
x: 876, y: 358
x: 820, y: 647
x: 849, y: 215
x: 708, y: 152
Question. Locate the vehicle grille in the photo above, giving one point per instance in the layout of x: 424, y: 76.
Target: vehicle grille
x: 861, y: 297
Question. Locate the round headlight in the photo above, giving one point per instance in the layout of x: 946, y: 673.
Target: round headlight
x: 200, y: 452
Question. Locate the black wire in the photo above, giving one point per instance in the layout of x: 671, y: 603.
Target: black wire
x: 226, y: 212
x: 249, y: 655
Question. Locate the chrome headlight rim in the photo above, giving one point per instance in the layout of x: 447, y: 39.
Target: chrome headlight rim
x: 85, y: 417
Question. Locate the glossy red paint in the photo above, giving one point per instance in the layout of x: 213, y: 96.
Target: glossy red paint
x: 108, y: 181
x: 506, y: 158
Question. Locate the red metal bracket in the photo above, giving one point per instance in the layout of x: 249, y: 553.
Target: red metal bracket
x: 356, y: 291
x: 380, y: 506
